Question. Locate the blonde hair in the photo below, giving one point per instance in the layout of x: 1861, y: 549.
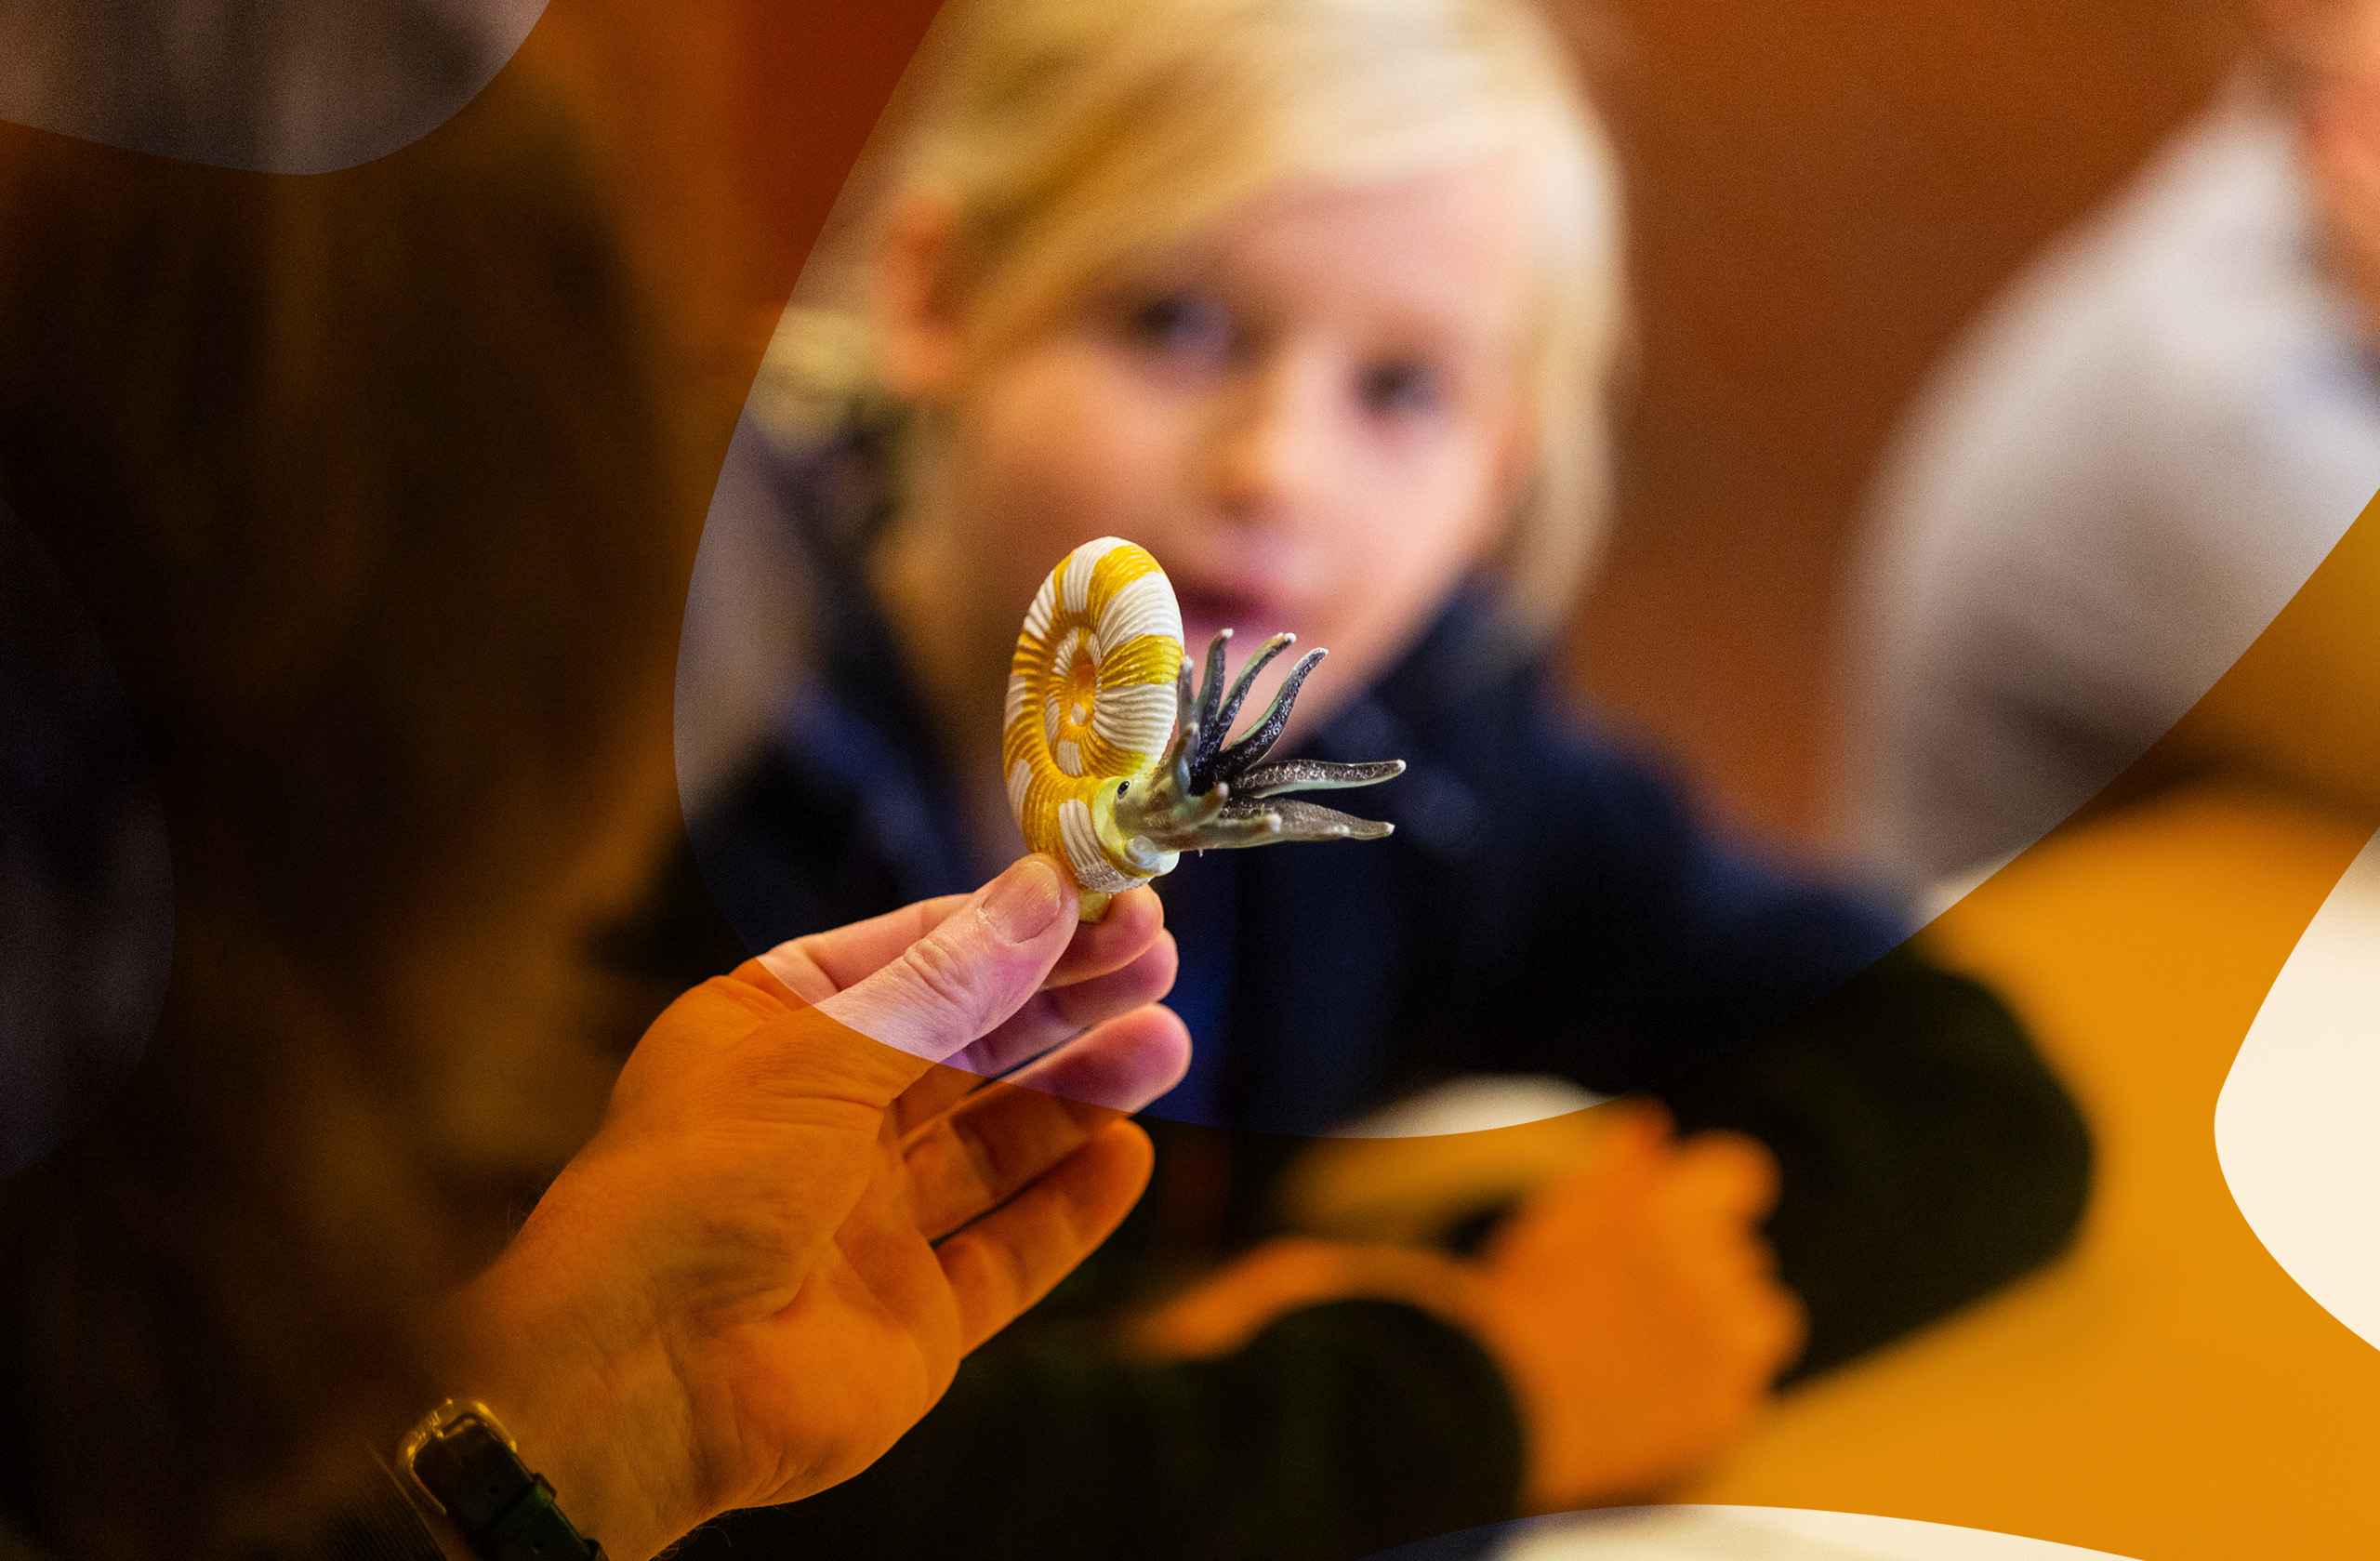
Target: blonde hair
x: 1081, y: 140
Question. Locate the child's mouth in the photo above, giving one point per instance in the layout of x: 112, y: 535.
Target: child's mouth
x: 1250, y: 617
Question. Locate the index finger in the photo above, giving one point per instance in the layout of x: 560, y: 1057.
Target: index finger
x: 818, y: 966
x: 1730, y: 1175
x: 1133, y: 920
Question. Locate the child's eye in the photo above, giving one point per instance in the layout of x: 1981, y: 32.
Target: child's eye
x: 1401, y: 389
x: 1181, y: 324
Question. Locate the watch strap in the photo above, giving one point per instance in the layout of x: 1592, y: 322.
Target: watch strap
x: 461, y: 1460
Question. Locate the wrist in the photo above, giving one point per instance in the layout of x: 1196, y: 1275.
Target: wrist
x: 481, y: 1500
x: 580, y: 1379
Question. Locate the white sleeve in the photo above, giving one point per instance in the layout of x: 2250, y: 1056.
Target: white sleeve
x: 2124, y: 473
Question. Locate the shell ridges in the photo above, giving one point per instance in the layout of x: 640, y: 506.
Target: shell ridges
x: 1083, y: 853
x: 1074, y: 576
x: 1045, y: 603
x: 1090, y: 703
x: 1136, y: 719
x: 1144, y: 606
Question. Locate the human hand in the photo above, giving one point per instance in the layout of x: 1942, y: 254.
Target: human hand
x: 1631, y: 1305
x: 1223, y: 1312
x: 1634, y: 1309
x: 734, y: 1296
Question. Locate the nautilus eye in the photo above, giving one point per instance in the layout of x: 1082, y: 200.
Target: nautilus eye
x: 1116, y: 762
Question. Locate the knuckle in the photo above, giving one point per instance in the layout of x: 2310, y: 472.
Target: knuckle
x: 981, y: 1154
x: 946, y: 977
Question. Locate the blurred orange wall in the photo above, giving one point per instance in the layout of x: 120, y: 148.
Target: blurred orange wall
x: 1821, y: 192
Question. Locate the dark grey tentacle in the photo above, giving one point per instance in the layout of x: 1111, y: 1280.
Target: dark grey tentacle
x: 1209, y: 697
x: 1206, y: 794
x: 1313, y: 774
x: 1175, y: 762
x: 1238, y: 696
x: 1205, y: 736
x: 1294, y: 820
x: 1244, y: 754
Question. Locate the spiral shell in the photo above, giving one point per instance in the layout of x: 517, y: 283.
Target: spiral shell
x: 1092, y: 703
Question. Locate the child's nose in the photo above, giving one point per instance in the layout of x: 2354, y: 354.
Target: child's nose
x: 1269, y: 457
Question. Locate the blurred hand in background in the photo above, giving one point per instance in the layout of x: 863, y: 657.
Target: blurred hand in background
x: 1631, y: 1305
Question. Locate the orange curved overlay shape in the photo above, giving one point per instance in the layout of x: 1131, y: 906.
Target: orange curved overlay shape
x: 2167, y: 1391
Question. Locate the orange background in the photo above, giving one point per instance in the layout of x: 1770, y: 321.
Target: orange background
x: 1822, y: 193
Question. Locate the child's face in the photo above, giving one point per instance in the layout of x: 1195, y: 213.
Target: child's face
x: 1315, y: 421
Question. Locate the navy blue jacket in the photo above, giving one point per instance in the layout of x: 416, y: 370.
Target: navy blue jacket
x: 1546, y: 905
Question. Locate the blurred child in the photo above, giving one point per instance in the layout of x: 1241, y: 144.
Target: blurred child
x: 1315, y: 300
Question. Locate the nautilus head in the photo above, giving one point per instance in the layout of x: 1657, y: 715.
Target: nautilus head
x: 1117, y: 762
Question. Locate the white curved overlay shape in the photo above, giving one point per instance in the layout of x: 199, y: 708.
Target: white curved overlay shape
x: 1767, y: 1534
x: 2297, y: 1126
x: 285, y: 86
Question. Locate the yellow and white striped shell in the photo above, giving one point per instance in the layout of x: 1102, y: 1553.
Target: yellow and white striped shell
x: 1092, y: 704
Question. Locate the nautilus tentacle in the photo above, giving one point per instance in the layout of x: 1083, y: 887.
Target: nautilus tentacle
x: 1116, y: 761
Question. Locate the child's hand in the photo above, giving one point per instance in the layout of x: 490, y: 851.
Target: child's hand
x: 1634, y: 1309
x: 1232, y: 1306
x: 1630, y: 1304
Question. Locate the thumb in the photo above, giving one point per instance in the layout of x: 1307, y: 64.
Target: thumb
x: 978, y: 966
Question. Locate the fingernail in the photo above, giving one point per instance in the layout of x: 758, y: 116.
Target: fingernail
x: 1025, y: 900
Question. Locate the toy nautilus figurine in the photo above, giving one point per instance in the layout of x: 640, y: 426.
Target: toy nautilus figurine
x: 1117, y: 763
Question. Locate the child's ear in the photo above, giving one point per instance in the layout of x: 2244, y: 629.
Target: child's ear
x: 920, y: 297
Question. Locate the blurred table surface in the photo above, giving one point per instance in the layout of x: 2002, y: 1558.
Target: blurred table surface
x: 2165, y: 1392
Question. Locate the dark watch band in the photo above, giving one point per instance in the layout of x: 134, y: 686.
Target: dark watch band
x: 461, y: 1460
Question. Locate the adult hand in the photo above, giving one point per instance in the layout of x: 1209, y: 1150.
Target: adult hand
x: 793, y: 1222
x: 1630, y: 1304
